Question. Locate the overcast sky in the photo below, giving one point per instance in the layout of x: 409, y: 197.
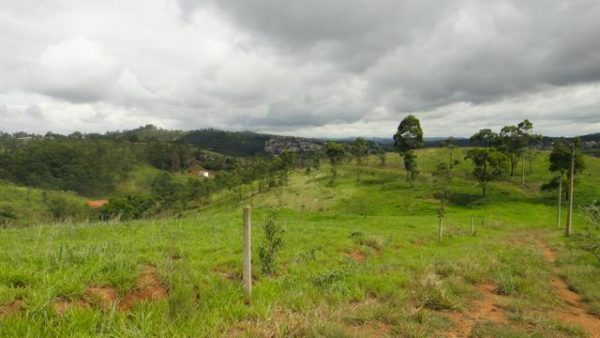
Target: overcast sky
x: 309, y: 68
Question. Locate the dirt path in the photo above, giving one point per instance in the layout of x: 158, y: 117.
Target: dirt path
x: 575, y: 312
x: 484, y: 309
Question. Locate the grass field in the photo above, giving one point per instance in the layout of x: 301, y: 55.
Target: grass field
x: 31, y: 206
x: 361, y: 259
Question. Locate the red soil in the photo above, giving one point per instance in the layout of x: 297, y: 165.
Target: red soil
x: 147, y: 287
x: 575, y: 312
x: 14, y: 306
x: 484, y: 309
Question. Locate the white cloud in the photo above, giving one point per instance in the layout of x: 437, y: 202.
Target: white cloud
x: 316, y: 68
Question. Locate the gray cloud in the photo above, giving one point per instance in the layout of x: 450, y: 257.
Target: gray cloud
x: 315, y: 67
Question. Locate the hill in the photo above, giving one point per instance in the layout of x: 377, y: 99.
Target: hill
x: 360, y: 259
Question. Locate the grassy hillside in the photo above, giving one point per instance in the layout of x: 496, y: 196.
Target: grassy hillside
x: 361, y: 259
x: 31, y: 206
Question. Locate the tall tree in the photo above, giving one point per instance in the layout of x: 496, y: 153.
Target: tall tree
x: 510, y: 143
x: 408, y: 138
x: 560, y: 164
x: 484, y: 137
x: 359, y: 150
x: 335, y: 153
x: 527, y: 138
x: 489, y: 165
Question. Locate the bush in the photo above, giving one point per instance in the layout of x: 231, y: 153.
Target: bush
x: 61, y: 208
x: 271, y: 245
x: 7, y: 215
x: 589, y: 240
x: 128, y: 208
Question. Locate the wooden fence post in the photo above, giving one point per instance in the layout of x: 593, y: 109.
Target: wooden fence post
x: 247, y: 273
x: 569, y: 228
x: 472, y: 226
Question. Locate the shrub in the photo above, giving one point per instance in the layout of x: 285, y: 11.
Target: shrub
x: 373, y: 241
x: 272, y: 243
x: 589, y: 240
x: 61, y: 208
x: 7, y: 215
x: 128, y: 208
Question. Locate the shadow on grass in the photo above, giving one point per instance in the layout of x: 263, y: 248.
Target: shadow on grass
x: 466, y: 199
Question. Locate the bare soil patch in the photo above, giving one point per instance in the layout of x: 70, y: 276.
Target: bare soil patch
x: 14, y: 306
x: 485, y: 309
x: 227, y: 273
x: 62, y: 305
x: 370, y: 329
x: 105, y: 297
x: 357, y: 255
x: 148, y: 286
x: 575, y: 312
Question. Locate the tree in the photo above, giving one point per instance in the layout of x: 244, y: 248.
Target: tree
x: 410, y: 164
x: 489, y: 165
x: 484, y: 137
x: 290, y: 161
x: 527, y: 138
x: 165, y: 191
x: 512, y: 141
x: 449, y: 144
x: 335, y: 153
x: 408, y: 138
x: 380, y: 152
x: 272, y: 243
x: 359, y: 150
x: 560, y: 164
x: 443, y: 177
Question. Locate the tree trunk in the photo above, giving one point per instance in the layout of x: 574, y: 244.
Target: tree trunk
x: 512, y: 165
x: 569, y: 229
x: 530, y: 161
x: 559, y: 202
x: 522, y: 169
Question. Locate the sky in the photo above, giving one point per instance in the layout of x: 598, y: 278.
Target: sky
x: 315, y: 68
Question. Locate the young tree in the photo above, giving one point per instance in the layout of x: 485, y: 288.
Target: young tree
x: 489, y: 165
x: 408, y: 138
x: 290, y: 161
x: 272, y: 243
x: 359, y: 150
x: 335, y: 153
x: 449, y: 144
x: 443, y: 178
x: 380, y: 154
